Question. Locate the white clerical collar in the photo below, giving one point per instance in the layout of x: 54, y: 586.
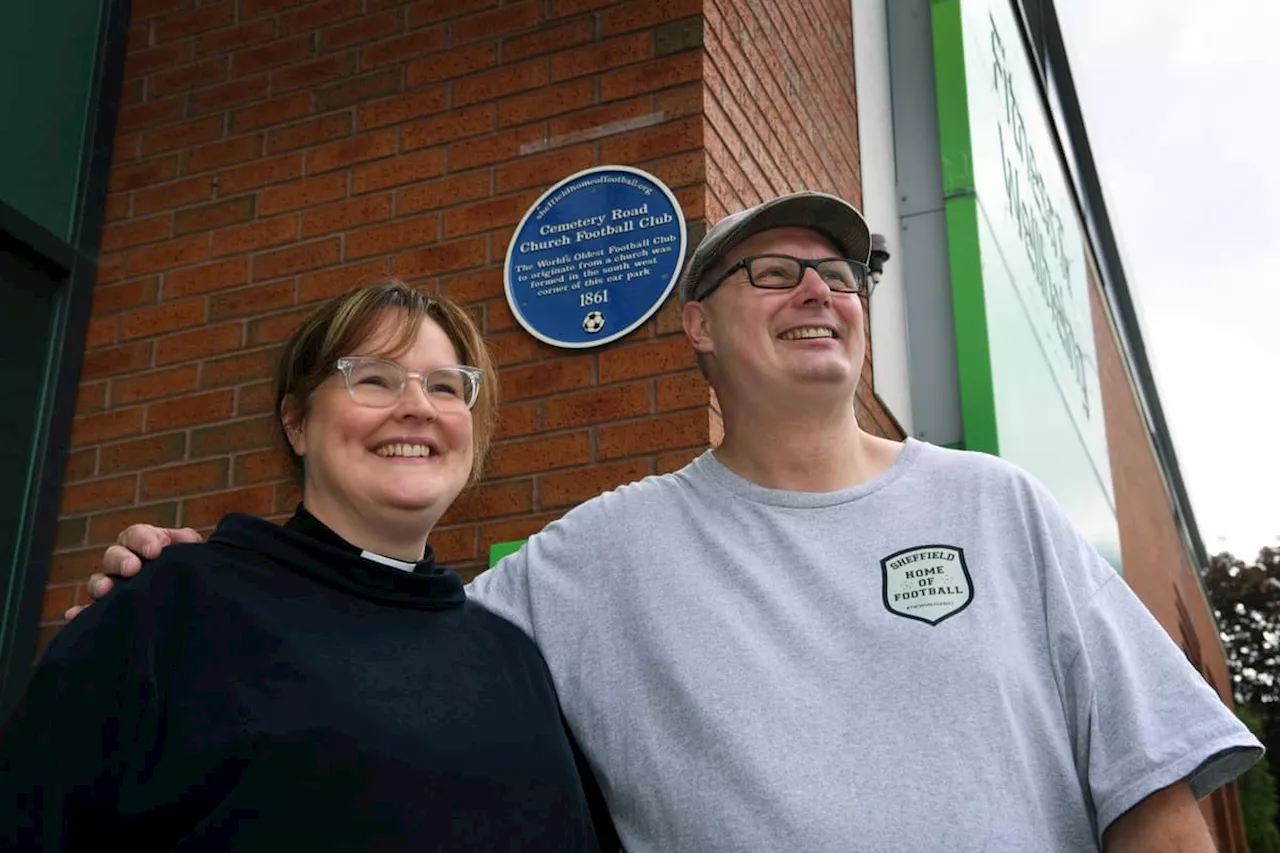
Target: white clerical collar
x: 389, y: 561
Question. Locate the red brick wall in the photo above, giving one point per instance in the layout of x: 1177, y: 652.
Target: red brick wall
x: 1156, y: 563
x: 782, y: 116
x: 272, y: 153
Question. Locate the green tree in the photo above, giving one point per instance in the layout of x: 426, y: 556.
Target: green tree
x: 1257, y: 789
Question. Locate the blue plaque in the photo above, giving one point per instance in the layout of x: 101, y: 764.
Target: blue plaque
x: 595, y: 256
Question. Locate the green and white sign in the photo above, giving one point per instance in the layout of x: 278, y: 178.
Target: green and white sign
x: 1024, y: 335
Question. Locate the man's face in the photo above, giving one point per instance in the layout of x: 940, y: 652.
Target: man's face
x: 798, y: 341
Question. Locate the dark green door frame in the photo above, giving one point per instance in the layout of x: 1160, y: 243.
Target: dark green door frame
x: 69, y: 268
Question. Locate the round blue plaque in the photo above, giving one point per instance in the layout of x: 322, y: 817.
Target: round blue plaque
x: 595, y: 256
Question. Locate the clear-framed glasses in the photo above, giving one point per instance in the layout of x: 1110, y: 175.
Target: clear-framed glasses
x: 379, y: 384
x: 783, y: 272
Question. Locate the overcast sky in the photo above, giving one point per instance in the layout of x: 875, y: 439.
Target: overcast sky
x: 1182, y: 104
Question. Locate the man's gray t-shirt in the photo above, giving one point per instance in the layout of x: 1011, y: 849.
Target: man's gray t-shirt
x: 933, y: 660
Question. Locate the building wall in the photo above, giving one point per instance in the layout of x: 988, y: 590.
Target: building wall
x: 272, y: 153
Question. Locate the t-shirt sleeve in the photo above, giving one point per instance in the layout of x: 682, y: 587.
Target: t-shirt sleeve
x: 1141, y: 716
x: 82, y: 721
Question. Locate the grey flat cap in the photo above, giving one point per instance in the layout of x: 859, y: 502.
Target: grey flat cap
x: 831, y: 216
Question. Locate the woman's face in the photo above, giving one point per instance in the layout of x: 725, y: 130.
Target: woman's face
x: 367, y: 465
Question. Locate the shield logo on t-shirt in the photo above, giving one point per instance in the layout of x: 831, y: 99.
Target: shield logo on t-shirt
x: 929, y: 583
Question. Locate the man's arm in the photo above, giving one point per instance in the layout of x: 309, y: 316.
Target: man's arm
x: 1168, y: 821
x: 123, y: 560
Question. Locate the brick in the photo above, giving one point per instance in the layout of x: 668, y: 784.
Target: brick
x: 488, y: 215
x: 681, y: 101
x: 401, y: 108
x: 316, y: 15
x: 667, y: 463
x: 261, y: 466
x: 517, y: 458
x: 182, y: 480
x: 257, y: 8
x: 199, y: 343
x: 75, y: 565
x: 564, y: 8
x: 217, y: 215
x: 155, y: 384
x: 360, y: 89
x: 492, y: 149
x: 517, y: 420
x: 366, y: 29
x: 454, y: 63
x: 433, y: 195
x: 206, y: 511
x: 81, y: 464
x: 573, y: 487
x: 187, y: 77
x: 402, y: 234
x: 454, y: 125
x: 271, y: 113
x: 678, y: 36
x: 474, y: 286
x: 176, y: 194
x: 454, y: 544
x: 349, y: 152
x: 91, y: 398
x: 271, y: 55
x: 405, y: 169
x: 215, y: 276
x: 130, y: 294
x: 287, y: 497
x: 168, y: 317
x: 136, y: 232
x: 141, y: 9
x: 308, y: 75
x: 191, y: 410
x: 348, y: 214
x: 644, y: 14
x: 683, y: 429
x: 331, y: 282
x: 118, y: 207
x: 232, y: 437
x: 251, y: 300
x: 653, y: 142
x: 176, y: 253
x: 512, y: 349
x: 492, y: 501
x: 541, y: 380
x: 255, y: 235
x: 434, y: 11
x: 683, y: 391
x: 126, y: 147
x: 105, y: 527
x: 601, y: 56
x: 94, y: 429
x: 647, y: 359
x: 621, y: 117
x: 56, y: 600
x: 146, y: 115
x: 509, y: 18
x: 668, y: 320
x: 261, y: 174
x: 254, y: 399
x: 651, y: 76
x: 122, y: 178
x: 296, y: 259
x: 241, y: 367
x: 515, y: 530
x: 498, y: 317
x: 537, y: 171
x: 70, y: 533
x: 275, y: 328
x: 181, y: 135
x: 305, y: 193
x: 234, y: 38
x: 402, y: 48
x: 497, y: 84
x: 599, y: 405
x: 681, y: 170
x: 133, y: 92
x: 548, y: 40
x: 546, y: 102
x: 201, y: 20
x: 110, y: 268
x: 233, y: 94
x: 446, y: 257
x: 309, y: 133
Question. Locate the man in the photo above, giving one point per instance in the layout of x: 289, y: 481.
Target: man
x: 816, y: 639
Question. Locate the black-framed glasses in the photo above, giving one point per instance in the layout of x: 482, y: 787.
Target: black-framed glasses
x: 783, y: 272
x: 379, y: 384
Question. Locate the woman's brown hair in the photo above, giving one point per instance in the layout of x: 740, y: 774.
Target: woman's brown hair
x: 338, y: 327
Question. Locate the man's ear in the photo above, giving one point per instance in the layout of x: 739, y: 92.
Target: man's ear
x: 291, y: 418
x: 697, y: 327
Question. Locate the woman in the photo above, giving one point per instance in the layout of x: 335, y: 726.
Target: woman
x: 323, y: 685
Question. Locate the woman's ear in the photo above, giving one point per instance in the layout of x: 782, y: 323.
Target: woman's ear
x: 292, y: 418
x: 697, y: 327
